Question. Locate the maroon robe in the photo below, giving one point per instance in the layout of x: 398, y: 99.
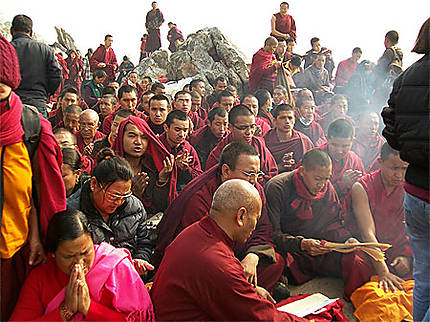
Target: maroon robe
x: 101, y: 55
x: 350, y: 161
x: 263, y: 124
x: 204, y: 142
x: 194, y: 169
x: 368, y: 151
x: 285, y: 25
x: 267, y: 162
x: 198, y: 123
x: 80, y: 140
x: 314, y: 132
x: 387, y: 212
x: 344, y: 71
x: 299, y: 144
x: 326, y: 119
x: 296, y: 214
x: 107, y: 122
x: 263, y: 71
x: 200, y: 279
x: 194, y: 203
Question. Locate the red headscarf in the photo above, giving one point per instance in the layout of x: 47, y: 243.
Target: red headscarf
x: 155, y: 148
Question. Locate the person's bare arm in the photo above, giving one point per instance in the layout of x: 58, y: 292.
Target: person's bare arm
x: 274, y: 31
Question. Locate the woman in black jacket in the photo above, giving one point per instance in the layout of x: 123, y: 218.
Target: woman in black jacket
x: 115, y: 215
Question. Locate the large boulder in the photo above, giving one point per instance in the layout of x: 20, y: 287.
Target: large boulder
x: 206, y: 54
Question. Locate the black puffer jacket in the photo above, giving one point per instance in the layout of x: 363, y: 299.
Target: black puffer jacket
x: 40, y: 73
x: 126, y: 227
x: 407, y: 121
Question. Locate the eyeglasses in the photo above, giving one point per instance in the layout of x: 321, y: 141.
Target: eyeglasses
x: 245, y: 127
x: 114, y: 197
x: 253, y: 175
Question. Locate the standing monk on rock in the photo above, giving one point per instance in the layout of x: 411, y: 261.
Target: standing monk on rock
x: 104, y: 58
x: 283, y: 24
x: 154, y: 20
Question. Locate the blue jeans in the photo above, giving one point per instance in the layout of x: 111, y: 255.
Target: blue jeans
x: 417, y: 217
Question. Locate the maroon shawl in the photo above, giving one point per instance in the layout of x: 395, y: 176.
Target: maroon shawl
x: 263, y: 72
x: 368, y: 151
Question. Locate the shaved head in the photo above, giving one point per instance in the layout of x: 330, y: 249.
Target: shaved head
x: 271, y: 41
x: 316, y: 158
x: 91, y: 114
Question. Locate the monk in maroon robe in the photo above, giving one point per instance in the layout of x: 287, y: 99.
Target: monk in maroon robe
x: 377, y: 204
x: 237, y: 161
x: 347, y: 166
x: 263, y: 67
x: 337, y: 108
x: 205, y: 139
x: 87, y: 134
x: 286, y: 144
x: 306, y: 123
x: 242, y: 128
x: 154, y: 20
x: 263, y: 124
x: 104, y: 58
x: 304, y: 210
x: 76, y: 70
x: 369, y: 142
x: 174, y: 139
x: 345, y: 69
x: 201, y: 279
x: 183, y: 103
x: 283, y: 24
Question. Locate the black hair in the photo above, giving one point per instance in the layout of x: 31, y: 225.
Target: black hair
x: 341, y: 128
x: 159, y: 97
x: 392, y: 36
x: 157, y: 85
x: 22, y: 23
x: 108, y: 90
x: 111, y: 168
x: 195, y: 82
x: 232, y: 151
x: 246, y: 96
x: 216, y: 111
x: 125, y: 89
x: 73, y: 109
x: 300, y: 99
x: 314, y: 40
x: 220, y: 79
x: 99, y: 74
x: 72, y: 158
x: 282, y: 108
x: 316, y: 157
x: 148, y: 78
x: 262, y: 95
x: 238, y: 110
x: 123, y: 113
x: 387, y: 150
x: 176, y: 115
x: 181, y: 93
x: 357, y: 50
x: 108, y: 36
x: 290, y: 40
x: 69, y: 89
x: 295, y: 60
x: 66, y: 225
x: 286, y: 3
x: 195, y: 94
x: 224, y: 93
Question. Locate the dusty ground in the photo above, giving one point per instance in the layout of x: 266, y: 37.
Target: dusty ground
x: 330, y: 287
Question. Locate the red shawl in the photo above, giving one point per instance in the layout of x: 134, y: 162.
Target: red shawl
x: 263, y: 72
x: 80, y: 140
x: 63, y: 64
x: 194, y: 202
x: 101, y: 55
x: 302, y: 205
x: 368, y: 151
x: 267, y: 162
x: 10, y: 121
x: 264, y: 124
x: 197, y: 121
x: 299, y: 144
x: 314, y: 132
x: 155, y: 149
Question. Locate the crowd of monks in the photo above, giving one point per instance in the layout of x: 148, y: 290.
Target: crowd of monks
x: 321, y: 172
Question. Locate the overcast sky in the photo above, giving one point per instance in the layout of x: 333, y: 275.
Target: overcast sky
x: 340, y: 24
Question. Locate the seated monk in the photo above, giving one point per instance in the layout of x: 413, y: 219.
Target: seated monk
x: 108, y: 140
x: 70, y: 118
x: 286, y: 144
x: 265, y: 103
x: 242, y: 128
x: 337, y: 108
x: 201, y: 279
x: 262, y: 125
x: 144, y: 102
x: 317, y: 78
x: 238, y: 161
x: 127, y: 99
x: 68, y: 96
x: 159, y: 108
x: 347, y: 166
x: 174, y: 139
x: 106, y: 106
x: 377, y: 205
x: 225, y: 99
x: 369, y: 142
x: 82, y: 281
x: 304, y: 210
x: 93, y: 88
x: 305, y: 122
x: 154, y: 180
x: 196, y: 105
x: 87, y: 134
x: 183, y: 103
x: 199, y: 86
x: 133, y: 81
x: 205, y: 139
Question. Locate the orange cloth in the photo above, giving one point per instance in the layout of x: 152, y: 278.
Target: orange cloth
x: 17, y: 186
x: 373, y: 304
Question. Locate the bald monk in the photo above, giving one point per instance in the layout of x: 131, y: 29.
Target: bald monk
x: 88, y: 124
x: 264, y: 66
x: 200, y: 277
x: 238, y: 161
x: 377, y: 204
x: 286, y: 144
x: 368, y: 143
x: 304, y: 210
x: 347, y: 166
x: 242, y: 128
x: 205, y: 139
x: 305, y: 122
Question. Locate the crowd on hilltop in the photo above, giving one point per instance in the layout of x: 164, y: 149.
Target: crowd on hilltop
x: 119, y: 202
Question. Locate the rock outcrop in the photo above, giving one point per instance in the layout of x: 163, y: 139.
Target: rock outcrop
x: 65, y: 41
x: 206, y: 54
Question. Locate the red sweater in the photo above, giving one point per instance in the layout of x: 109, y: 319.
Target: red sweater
x: 43, y: 284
